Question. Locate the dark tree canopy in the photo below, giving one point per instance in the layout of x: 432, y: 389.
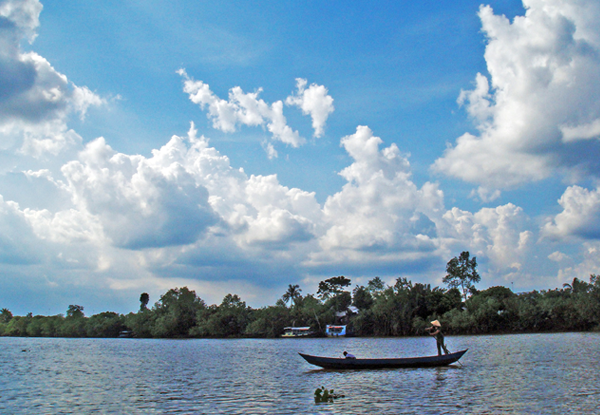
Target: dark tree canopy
x: 75, y: 311
x: 144, y: 300
x: 376, y: 285
x: 5, y: 315
x: 578, y: 286
x: 340, y: 302
x: 176, y: 312
x: 462, y: 273
x: 363, y: 300
x: 405, y: 308
x: 332, y: 286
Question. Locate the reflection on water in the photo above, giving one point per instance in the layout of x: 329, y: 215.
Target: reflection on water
x: 544, y: 373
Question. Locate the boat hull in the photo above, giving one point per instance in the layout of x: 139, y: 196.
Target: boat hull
x: 296, y: 332
x: 394, y: 363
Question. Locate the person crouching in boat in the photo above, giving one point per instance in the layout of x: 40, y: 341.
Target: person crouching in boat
x: 436, y: 331
x: 348, y: 355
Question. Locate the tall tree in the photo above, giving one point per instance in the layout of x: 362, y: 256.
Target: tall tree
x: 462, y: 273
x: 376, y: 286
x: 292, y: 294
x: 75, y: 311
x: 5, y: 315
x: 332, y: 286
x: 144, y: 300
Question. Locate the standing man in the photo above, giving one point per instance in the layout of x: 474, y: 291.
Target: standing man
x: 436, y: 331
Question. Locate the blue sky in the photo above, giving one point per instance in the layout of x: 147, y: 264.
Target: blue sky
x: 243, y: 147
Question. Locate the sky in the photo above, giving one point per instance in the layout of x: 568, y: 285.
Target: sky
x: 239, y: 147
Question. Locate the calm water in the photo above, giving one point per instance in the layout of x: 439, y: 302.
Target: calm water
x: 541, y: 373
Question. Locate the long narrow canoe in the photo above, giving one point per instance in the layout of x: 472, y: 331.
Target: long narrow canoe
x: 341, y: 363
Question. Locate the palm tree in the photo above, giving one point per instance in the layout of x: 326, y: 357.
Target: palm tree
x: 5, y: 315
x: 577, y: 286
x: 292, y: 293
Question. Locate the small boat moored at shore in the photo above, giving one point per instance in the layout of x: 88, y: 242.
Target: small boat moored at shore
x: 297, y: 332
x: 385, y: 363
x: 335, y: 331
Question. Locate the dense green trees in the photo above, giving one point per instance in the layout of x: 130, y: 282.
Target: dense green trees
x: 499, y: 310
x: 227, y: 320
x: 401, y: 309
x: 176, y: 313
x: 106, y: 324
x: 268, y: 321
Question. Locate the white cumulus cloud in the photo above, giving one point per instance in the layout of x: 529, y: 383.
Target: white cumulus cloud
x: 35, y: 99
x: 140, y: 202
x: 379, y: 212
x: 543, y: 69
x: 315, y: 101
x: 241, y: 109
x: 580, y: 216
x: 247, y: 109
x: 100, y: 221
x: 499, y: 234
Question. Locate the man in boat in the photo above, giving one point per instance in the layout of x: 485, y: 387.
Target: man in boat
x: 348, y: 355
x: 436, y: 331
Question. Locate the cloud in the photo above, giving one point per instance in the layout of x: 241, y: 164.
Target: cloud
x: 283, y: 215
x: 485, y: 195
x: 185, y: 214
x: 23, y: 15
x: 17, y: 241
x: 269, y: 149
x: 179, y: 194
x: 379, y: 213
x: 382, y: 220
x: 558, y: 256
x: 544, y: 67
x: 35, y: 99
x: 498, y: 234
x: 247, y: 109
x: 590, y: 264
x: 139, y: 202
x: 241, y: 109
x: 580, y: 216
x: 581, y: 132
x: 314, y: 101
x: 103, y: 224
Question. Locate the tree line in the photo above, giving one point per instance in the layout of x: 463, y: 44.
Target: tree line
x: 376, y: 309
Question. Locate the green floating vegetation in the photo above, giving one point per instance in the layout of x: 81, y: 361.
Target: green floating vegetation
x: 326, y: 395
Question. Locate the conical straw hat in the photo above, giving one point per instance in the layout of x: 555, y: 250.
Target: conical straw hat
x: 436, y: 323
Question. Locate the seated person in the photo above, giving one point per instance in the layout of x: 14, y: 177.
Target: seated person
x: 348, y: 355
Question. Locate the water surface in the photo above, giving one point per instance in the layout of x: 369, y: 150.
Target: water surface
x: 509, y: 374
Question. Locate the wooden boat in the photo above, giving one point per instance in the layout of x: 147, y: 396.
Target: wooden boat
x: 385, y: 363
x: 296, y: 332
x: 335, y: 331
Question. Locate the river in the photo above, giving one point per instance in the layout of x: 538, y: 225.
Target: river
x: 504, y: 374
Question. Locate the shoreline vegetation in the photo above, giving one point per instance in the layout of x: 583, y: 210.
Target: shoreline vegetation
x: 374, y: 310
